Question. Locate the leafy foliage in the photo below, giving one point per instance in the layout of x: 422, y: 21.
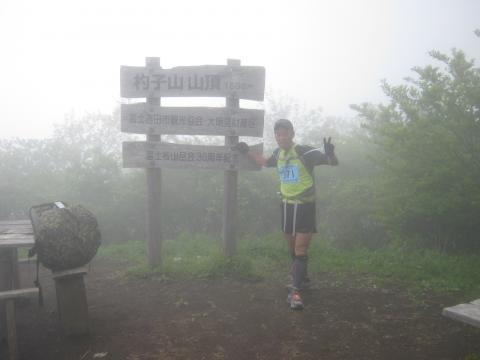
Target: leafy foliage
x: 428, y: 152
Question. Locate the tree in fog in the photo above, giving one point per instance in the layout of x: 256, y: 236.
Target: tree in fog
x: 428, y: 151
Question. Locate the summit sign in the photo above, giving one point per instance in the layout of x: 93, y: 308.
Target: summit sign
x: 242, y: 82
x: 150, y: 82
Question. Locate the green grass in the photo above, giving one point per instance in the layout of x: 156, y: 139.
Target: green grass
x: 420, y: 270
x: 472, y: 357
x: 200, y: 256
x: 188, y: 255
x: 132, y: 251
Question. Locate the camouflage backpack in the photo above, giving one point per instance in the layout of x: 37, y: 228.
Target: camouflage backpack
x: 65, y: 237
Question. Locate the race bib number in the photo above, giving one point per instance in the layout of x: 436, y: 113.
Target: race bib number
x: 289, y: 174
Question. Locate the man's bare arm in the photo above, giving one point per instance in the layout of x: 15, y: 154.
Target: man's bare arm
x: 243, y: 148
x: 257, y: 158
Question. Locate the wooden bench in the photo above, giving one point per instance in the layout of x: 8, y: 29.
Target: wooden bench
x: 9, y: 297
x: 467, y: 313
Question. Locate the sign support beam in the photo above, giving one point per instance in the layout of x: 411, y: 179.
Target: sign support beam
x: 230, y: 186
x: 154, y: 185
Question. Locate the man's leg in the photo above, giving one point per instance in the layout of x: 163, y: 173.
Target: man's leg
x: 291, y: 248
x: 302, y: 242
x: 287, y: 227
x: 291, y: 244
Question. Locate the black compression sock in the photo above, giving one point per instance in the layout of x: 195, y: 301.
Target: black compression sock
x: 299, y: 270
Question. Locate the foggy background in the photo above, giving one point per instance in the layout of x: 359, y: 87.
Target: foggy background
x: 408, y: 150
x: 60, y: 57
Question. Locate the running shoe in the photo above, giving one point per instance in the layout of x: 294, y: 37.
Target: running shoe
x: 295, y: 300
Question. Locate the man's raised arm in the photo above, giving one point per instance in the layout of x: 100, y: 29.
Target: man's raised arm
x: 243, y: 148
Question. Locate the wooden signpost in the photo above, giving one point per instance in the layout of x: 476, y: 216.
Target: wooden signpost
x: 154, y: 186
x: 241, y: 82
x: 230, y: 182
x: 141, y: 154
x: 231, y: 81
x: 147, y: 119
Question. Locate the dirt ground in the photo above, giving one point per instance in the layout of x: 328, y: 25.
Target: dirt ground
x: 158, y: 318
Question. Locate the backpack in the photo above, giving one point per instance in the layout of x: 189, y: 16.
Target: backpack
x: 65, y: 237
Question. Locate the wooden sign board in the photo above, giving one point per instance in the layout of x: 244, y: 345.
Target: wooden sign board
x: 242, y: 82
x: 140, y: 154
x: 149, y: 119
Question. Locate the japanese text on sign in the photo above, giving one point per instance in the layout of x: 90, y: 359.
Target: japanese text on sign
x: 245, y: 82
x: 142, y: 119
x: 149, y: 154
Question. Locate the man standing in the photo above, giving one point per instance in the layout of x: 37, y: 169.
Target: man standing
x: 295, y: 164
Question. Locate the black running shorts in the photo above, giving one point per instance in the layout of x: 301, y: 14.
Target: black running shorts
x: 300, y: 217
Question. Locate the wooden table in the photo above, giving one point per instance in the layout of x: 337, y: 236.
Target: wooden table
x: 13, y: 235
x: 69, y: 284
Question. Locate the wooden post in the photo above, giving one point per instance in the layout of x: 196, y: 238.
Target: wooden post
x: 6, y: 275
x: 154, y: 184
x: 9, y: 297
x: 72, y: 301
x: 15, y: 274
x: 12, y: 329
x: 230, y: 187
x: 8, y: 269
